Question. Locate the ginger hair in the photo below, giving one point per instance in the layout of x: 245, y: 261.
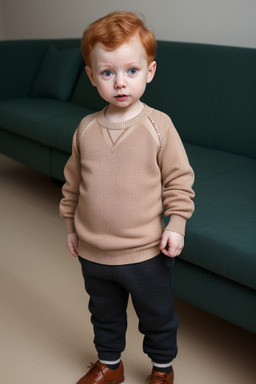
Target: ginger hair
x: 115, y: 29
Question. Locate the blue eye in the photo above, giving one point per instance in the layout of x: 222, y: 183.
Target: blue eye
x: 133, y: 71
x: 107, y: 73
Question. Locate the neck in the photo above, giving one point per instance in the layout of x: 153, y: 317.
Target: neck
x: 118, y: 115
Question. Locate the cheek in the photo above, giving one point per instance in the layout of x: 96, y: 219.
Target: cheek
x: 101, y: 85
x: 141, y: 86
x: 104, y: 88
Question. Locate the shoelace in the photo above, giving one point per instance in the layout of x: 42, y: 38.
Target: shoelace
x: 157, y: 379
x: 95, y: 369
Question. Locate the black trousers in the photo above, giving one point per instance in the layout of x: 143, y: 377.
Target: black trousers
x: 150, y: 285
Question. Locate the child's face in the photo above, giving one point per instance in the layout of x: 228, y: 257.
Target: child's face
x: 121, y: 75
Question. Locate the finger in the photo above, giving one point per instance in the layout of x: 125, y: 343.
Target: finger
x: 165, y: 252
x: 72, y: 249
x: 164, y: 243
x: 74, y: 252
x: 172, y: 251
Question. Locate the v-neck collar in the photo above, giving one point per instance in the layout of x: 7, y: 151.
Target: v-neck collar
x: 103, y: 122
x: 122, y: 127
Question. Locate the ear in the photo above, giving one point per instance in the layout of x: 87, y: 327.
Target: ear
x: 151, y: 71
x: 89, y: 72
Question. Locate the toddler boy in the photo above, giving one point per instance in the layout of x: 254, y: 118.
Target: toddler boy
x: 127, y: 163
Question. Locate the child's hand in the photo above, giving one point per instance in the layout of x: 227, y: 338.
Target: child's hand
x: 72, y: 243
x: 172, y: 243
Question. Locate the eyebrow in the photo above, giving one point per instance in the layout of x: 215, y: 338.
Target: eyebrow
x: 107, y: 65
x: 103, y: 66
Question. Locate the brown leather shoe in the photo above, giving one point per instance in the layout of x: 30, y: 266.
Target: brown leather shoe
x: 161, y: 378
x: 100, y: 374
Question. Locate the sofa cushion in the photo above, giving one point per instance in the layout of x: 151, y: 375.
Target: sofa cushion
x: 59, y: 130
x: 19, y: 64
x: 48, y: 121
x: 221, y: 234
x: 58, y: 73
x: 210, y: 163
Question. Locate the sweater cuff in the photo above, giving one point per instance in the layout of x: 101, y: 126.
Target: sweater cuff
x: 177, y: 224
x: 70, y: 227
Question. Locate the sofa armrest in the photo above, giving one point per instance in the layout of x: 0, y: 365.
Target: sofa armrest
x: 19, y: 64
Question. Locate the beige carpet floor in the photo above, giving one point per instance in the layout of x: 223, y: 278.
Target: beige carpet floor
x: 46, y: 335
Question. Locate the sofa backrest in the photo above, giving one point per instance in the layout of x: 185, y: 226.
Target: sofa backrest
x: 209, y: 92
x: 86, y: 95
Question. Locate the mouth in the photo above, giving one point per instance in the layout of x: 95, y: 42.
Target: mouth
x: 121, y: 97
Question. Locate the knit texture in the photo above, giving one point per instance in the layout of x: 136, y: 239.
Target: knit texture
x: 114, y: 193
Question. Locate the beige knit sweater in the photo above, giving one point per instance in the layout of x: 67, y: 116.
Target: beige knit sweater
x: 118, y: 179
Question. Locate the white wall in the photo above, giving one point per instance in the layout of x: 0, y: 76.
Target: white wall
x: 228, y: 22
x: 2, y: 29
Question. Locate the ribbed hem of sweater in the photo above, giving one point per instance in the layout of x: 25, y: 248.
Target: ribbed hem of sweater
x: 177, y: 224
x: 119, y: 257
x: 70, y: 226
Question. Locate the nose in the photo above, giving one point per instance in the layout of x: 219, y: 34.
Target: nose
x: 119, y: 81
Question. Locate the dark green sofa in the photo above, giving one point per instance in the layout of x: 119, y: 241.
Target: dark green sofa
x: 210, y: 93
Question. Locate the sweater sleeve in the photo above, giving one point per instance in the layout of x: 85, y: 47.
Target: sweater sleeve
x: 70, y: 189
x: 177, y: 179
